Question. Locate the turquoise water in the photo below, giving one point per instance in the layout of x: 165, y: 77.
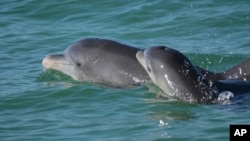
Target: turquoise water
x: 47, y: 105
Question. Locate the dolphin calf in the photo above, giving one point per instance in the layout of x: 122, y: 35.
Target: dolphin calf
x: 175, y: 74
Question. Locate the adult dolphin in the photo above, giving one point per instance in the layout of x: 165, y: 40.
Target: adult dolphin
x: 177, y: 76
x: 109, y: 63
x: 100, y: 61
x: 240, y: 71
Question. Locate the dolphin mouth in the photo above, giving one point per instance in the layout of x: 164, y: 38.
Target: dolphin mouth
x: 141, y: 58
x: 56, y: 61
x: 62, y: 63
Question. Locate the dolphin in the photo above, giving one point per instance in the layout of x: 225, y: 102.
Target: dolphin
x: 175, y: 74
x: 240, y: 71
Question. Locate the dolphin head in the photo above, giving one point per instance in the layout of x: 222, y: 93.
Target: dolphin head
x: 70, y: 62
x: 174, y: 74
x: 162, y: 65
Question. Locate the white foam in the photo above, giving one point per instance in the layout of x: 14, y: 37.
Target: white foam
x: 225, y: 95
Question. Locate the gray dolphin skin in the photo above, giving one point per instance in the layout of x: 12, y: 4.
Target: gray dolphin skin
x: 100, y: 61
x: 176, y: 75
x: 240, y: 71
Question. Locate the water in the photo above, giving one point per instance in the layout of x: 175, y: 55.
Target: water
x: 47, y: 105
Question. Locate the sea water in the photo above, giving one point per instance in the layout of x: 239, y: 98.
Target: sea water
x: 47, y: 105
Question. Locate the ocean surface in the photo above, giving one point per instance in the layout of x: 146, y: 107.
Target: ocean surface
x: 40, y: 105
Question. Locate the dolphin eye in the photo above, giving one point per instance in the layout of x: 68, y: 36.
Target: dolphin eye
x: 78, y: 64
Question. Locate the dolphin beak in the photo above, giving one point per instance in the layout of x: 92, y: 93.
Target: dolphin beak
x: 140, y: 57
x: 60, y: 63
x: 55, y: 61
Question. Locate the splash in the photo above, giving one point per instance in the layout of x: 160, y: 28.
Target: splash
x: 225, y: 95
